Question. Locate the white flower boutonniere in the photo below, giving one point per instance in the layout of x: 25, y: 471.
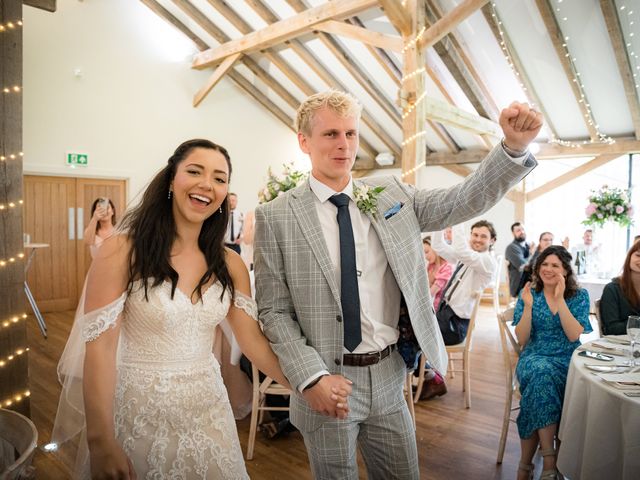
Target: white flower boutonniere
x: 367, y: 198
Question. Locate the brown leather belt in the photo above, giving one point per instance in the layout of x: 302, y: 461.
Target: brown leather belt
x: 366, y: 359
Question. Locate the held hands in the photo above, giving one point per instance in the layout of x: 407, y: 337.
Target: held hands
x: 329, y: 396
x: 527, y: 297
x: 108, y: 461
x: 532, y: 248
x: 100, y: 213
x: 520, y: 124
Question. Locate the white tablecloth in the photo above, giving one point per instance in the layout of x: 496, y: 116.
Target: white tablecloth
x: 600, y: 427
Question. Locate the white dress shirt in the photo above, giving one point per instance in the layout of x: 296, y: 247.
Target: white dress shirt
x: 237, y: 218
x: 377, y: 287
x: 477, y: 272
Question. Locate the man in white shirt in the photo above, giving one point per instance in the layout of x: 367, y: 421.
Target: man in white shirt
x: 586, y: 255
x: 334, y: 261
x: 233, y: 237
x: 475, y: 268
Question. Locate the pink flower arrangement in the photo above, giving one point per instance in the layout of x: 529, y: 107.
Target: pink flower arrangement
x: 609, y: 204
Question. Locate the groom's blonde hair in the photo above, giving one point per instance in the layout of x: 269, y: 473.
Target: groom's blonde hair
x: 342, y: 103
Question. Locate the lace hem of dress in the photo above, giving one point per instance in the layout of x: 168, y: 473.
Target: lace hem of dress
x: 98, y: 322
x: 247, y: 304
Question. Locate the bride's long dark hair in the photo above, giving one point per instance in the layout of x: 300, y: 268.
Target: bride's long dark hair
x: 151, y: 229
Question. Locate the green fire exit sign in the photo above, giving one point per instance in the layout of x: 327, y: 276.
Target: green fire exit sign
x: 77, y: 159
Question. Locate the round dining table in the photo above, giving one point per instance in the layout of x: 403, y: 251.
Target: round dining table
x: 600, y: 425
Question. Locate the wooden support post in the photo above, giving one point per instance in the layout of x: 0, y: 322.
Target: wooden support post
x: 14, y: 382
x: 412, y: 93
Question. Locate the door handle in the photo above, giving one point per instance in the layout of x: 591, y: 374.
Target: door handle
x: 72, y: 223
x: 80, y: 222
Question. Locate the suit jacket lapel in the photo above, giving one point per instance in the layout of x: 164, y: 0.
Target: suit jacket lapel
x: 304, y: 209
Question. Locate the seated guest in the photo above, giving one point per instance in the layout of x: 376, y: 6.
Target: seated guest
x: 438, y: 270
x: 586, y: 255
x: 550, y: 315
x: 545, y: 240
x: 621, y: 297
x: 475, y: 268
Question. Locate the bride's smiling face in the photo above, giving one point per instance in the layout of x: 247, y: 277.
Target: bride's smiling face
x: 200, y: 185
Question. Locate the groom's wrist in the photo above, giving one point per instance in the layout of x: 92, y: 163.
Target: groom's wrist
x: 313, y: 383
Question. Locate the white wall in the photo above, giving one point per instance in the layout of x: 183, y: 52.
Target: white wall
x: 131, y: 105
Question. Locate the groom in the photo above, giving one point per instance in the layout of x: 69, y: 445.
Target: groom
x: 330, y: 279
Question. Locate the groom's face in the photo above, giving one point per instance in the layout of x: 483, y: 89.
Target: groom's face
x: 332, y: 145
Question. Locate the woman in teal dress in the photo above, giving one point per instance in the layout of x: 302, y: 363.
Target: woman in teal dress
x: 551, y: 314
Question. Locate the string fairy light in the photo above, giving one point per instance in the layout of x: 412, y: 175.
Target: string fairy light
x: 412, y: 43
x: 11, y: 156
x: 4, y: 206
x: 411, y: 171
x: 13, y: 320
x: 13, y: 356
x: 629, y: 18
x: 12, y: 89
x: 15, y: 398
x: 601, y: 138
x: 7, y: 27
x: 10, y: 260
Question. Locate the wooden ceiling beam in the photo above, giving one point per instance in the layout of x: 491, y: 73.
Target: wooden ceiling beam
x: 360, y: 34
x: 398, y: 15
x: 291, y: 74
x: 557, y: 39
x: 352, y: 66
x: 491, y: 16
x: 382, y: 57
x: 449, y: 21
x: 612, y: 21
x: 283, y: 30
x: 450, y: 51
x: 621, y: 146
x: 447, y: 114
x: 569, y: 176
x: 243, y: 83
x: 217, y: 75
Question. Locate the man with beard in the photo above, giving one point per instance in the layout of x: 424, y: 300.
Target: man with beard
x: 517, y: 254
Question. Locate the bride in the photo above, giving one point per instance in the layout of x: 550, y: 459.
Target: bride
x: 138, y: 364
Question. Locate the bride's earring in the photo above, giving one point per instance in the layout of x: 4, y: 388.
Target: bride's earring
x: 220, y: 210
x: 169, y: 194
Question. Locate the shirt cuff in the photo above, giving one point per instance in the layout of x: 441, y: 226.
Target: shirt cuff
x: 516, y: 156
x: 303, y: 385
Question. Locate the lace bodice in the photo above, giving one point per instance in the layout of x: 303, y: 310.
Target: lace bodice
x: 170, y: 332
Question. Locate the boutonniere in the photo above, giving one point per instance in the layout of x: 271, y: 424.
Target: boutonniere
x: 367, y: 198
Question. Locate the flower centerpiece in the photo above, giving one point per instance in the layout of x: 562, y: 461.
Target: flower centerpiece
x: 609, y: 203
x: 276, y: 186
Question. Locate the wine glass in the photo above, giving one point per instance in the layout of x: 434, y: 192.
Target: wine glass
x: 633, y: 330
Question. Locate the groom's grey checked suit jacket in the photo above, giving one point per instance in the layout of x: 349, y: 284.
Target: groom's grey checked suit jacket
x: 297, y: 290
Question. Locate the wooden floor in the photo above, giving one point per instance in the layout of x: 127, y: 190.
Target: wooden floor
x: 453, y: 442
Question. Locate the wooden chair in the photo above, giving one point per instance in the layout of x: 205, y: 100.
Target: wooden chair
x: 510, y: 346
x: 462, y: 349
x: 494, y: 296
x: 260, y: 391
x: 598, y: 317
x: 18, y: 436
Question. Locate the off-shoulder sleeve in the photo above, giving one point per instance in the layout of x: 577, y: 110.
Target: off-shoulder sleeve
x: 247, y: 304
x: 97, y: 322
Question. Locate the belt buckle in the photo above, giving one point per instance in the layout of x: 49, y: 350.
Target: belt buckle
x: 379, y: 355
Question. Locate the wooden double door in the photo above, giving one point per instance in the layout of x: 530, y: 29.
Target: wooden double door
x: 56, y: 212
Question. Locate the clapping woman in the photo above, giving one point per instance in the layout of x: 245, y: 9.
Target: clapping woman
x: 551, y: 314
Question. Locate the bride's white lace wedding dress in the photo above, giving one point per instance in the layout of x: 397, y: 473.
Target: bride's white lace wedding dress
x: 171, y: 411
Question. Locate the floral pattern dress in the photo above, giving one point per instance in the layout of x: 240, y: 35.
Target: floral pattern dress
x: 544, y: 362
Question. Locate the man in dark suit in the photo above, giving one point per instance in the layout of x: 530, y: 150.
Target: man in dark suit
x: 517, y: 254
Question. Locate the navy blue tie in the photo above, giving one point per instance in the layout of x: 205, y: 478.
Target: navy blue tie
x: 349, y: 295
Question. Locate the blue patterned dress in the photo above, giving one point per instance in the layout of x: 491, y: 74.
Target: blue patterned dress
x: 544, y: 362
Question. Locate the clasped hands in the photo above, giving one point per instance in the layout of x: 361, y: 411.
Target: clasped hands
x: 329, y: 396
